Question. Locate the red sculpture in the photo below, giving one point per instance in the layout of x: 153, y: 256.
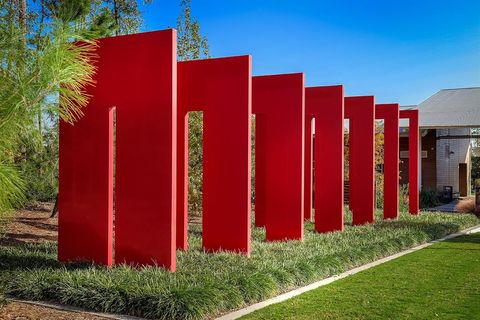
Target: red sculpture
x: 413, y: 154
x: 137, y: 76
x: 221, y: 88
x: 136, y: 80
x: 361, y: 113
x: 279, y: 108
x: 325, y: 104
x: 389, y: 113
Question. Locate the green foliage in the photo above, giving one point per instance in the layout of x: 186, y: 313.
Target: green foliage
x: 54, y: 24
x: 428, y: 199
x: 38, y: 75
x: 402, y: 194
x: 379, y: 187
x: 437, y: 282
x: 125, y: 13
x: 206, y: 285
x: 475, y: 171
x: 403, y: 198
x: 40, y: 167
x: 192, y: 45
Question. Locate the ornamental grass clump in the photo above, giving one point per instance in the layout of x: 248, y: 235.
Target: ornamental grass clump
x: 466, y: 205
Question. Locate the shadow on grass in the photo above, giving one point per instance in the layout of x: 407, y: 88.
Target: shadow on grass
x: 36, y: 257
x: 432, y: 228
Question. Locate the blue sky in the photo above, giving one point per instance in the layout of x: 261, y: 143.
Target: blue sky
x: 399, y: 51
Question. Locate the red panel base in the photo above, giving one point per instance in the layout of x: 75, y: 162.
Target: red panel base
x: 326, y: 105
x: 278, y: 102
x: 221, y: 88
x: 361, y: 112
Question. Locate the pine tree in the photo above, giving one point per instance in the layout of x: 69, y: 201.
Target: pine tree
x: 192, y: 45
x: 38, y: 73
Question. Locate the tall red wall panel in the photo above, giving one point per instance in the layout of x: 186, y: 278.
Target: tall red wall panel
x: 86, y: 187
x: 361, y: 113
x: 136, y: 75
x: 414, y: 158
x: 389, y: 113
x: 221, y: 88
x: 279, y: 104
x: 326, y: 105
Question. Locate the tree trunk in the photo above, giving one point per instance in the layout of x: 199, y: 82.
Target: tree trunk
x: 22, y: 19
x: 55, y: 208
x: 477, y: 200
x: 116, y: 15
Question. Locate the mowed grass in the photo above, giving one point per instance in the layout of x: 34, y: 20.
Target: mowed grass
x: 439, y: 282
x: 206, y: 285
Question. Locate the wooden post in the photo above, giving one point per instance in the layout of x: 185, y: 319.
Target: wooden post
x: 477, y: 200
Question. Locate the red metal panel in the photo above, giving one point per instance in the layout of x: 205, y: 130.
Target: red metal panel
x: 279, y: 100
x: 221, y: 88
x: 86, y: 187
x: 145, y: 92
x: 136, y: 75
x: 308, y: 198
x: 413, y: 154
x: 361, y: 112
x: 326, y: 104
x: 390, y: 114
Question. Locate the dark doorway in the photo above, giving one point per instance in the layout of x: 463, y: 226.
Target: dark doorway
x: 463, y: 179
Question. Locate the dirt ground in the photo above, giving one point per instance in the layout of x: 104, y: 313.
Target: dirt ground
x: 33, y: 224
x: 22, y: 311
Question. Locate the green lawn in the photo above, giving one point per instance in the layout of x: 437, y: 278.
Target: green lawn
x: 439, y: 282
x: 206, y: 285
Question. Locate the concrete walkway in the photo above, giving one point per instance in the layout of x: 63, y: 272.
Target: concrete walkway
x: 449, y: 207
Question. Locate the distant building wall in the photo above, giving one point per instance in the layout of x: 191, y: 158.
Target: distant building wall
x: 451, y: 152
x: 429, y: 164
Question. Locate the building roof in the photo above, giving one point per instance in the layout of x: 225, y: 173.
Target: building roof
x: 450, y: 108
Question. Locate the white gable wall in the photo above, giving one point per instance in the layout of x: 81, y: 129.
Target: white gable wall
x: 451, y: 152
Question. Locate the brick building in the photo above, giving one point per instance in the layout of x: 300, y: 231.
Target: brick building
x: 446, y: 122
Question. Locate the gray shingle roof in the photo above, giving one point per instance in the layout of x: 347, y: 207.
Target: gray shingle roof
x: 450, y: 108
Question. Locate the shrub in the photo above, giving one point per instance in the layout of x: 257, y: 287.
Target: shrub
x: 428, y: 199
x: 379, y: 183
x: 402, y: 194
x: 3, y: 301
x: 466, y: 205
x: 403, y: 198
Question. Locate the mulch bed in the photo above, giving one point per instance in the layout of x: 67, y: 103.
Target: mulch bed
x: 23, y: 311
x: 31, y: 225
x: 34, y: 225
